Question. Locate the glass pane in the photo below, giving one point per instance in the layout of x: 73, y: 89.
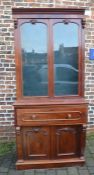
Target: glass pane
x: 34, y: 59
x: 65, y: 59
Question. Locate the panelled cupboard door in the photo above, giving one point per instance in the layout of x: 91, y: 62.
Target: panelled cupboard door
x: 36, y: 142
x: 67, y: 141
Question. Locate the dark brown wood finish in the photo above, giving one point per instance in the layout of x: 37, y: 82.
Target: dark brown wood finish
x: 50, y: 60
x: 50, y: 130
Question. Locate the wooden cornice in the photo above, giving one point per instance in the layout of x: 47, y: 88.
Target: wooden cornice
x: 77, y: 11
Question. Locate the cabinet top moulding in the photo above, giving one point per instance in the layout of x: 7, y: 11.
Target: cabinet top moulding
x: 57, y: 11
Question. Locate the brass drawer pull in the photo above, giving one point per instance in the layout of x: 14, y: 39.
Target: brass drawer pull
x: 69, y: 116
x: 33, y: 116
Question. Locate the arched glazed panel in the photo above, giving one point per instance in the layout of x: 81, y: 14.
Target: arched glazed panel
x: 34, y: 59
x: 65, y: 58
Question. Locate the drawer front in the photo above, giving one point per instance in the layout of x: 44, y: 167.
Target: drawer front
x: 31, y: 118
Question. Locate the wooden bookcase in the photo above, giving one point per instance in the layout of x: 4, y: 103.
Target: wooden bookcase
x: 50, y: 110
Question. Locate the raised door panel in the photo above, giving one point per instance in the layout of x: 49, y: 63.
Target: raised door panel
x: 67, y: 141
x: 36, y: 143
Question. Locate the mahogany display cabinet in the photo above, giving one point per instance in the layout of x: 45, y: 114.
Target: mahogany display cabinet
x: 50, y: 110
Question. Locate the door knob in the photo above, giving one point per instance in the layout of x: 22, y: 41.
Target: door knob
x: 33, y: 116
x: 69, y: 116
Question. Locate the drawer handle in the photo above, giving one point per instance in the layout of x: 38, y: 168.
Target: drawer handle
x: 33, y: 116
x: 69, y: 116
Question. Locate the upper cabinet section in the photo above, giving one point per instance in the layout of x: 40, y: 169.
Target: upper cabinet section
x: 49, y: 52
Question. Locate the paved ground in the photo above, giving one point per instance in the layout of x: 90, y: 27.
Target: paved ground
x: 7, y: 164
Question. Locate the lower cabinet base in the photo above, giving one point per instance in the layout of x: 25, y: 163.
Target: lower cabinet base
x: 40, y: 164
x: 50, y: 135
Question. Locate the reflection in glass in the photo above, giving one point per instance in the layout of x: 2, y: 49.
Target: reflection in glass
x: 34, y: 59
x: 65, y: 59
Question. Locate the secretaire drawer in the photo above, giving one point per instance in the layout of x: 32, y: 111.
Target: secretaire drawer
x: 27, y: 118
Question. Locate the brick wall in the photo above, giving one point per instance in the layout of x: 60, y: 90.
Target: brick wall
x: 7, y: 62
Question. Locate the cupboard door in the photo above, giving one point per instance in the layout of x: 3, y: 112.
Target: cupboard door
x: 36, y: 143
x: 67, y: 141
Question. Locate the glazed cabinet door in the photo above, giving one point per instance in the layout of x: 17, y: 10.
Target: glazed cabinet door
x: 36, y: 142
x: 67, y: 141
